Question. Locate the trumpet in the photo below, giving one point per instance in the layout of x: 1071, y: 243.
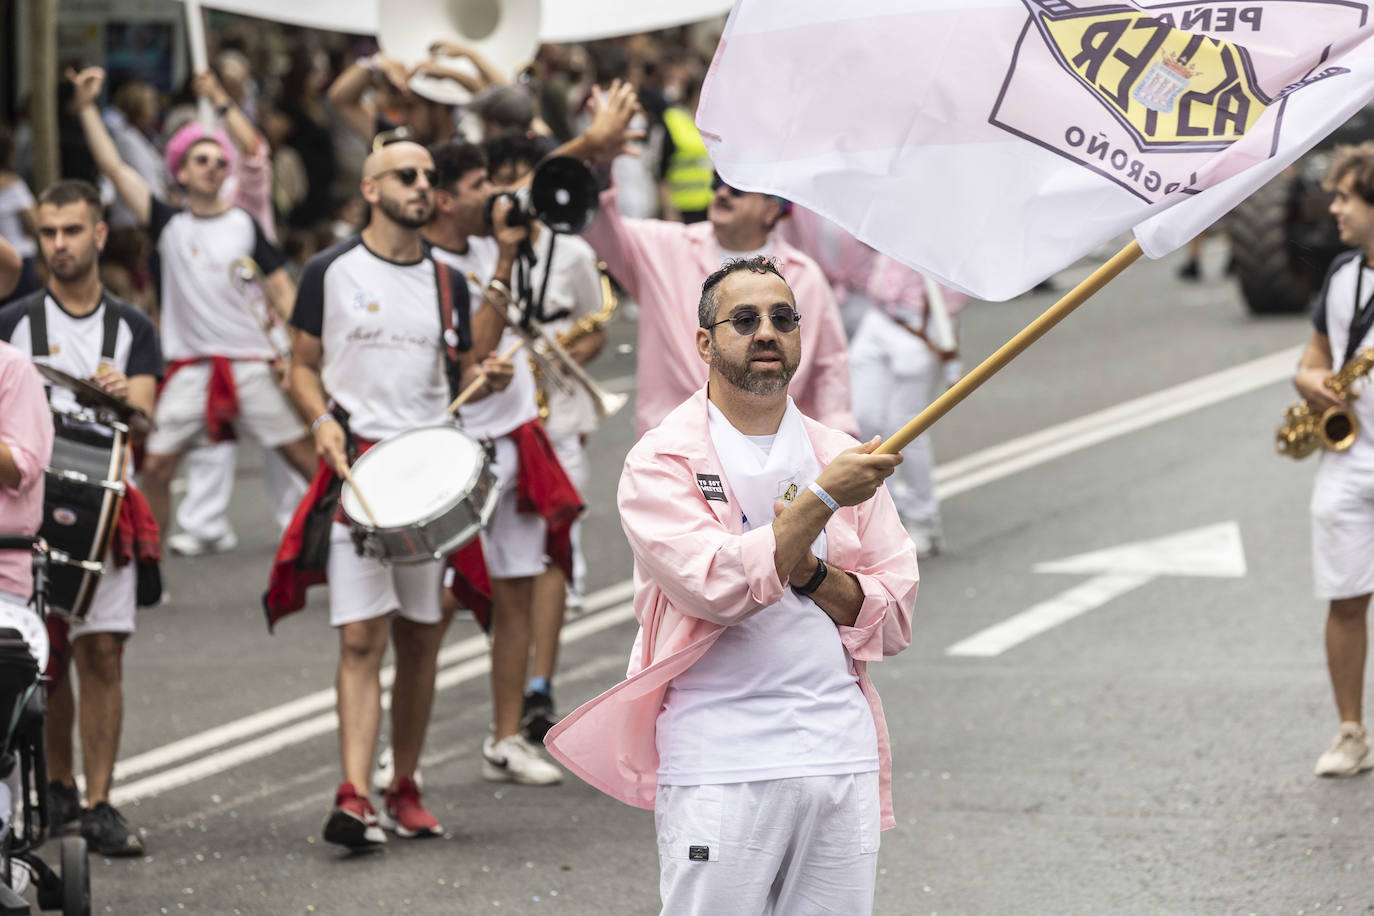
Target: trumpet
x: 246, y: 277
x: 587, y: 324
x: 555, y: 364
x: 1303, y: 431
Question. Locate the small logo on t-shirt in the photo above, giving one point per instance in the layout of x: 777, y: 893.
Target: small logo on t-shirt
x: 365, y: 301
x: 790, y: 494
x: 699, y: 853
x: 54, y: 349
x: 711, y: 487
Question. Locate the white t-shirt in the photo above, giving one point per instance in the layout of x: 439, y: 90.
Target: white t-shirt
x: 774, y: 697
x: 575, y: 286
x: 75, y: 342
x: 14, y: 199
x: 1334, y: 310
x: 204, y: 311
x: 379, y: 324
x: 500, y: 413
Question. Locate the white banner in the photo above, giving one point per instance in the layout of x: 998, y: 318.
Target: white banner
x: 990, y: 143
x: 563, y: 20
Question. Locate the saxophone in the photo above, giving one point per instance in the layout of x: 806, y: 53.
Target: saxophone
x: 585, y: 325
x: 1302, y: 431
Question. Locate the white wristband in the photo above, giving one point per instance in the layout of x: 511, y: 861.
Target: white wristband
x: 823, y: 496
x: 320, y: 420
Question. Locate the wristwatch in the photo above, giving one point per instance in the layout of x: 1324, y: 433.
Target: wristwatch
x: 814, y: 582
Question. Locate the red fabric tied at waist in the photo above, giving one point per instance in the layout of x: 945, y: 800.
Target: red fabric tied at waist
x: 543, y: 486
x: 221, y: 396
x: 136, y: 535
x: 290, y: 580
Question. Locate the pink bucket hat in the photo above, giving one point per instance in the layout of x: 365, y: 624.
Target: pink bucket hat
x: 187, y: 137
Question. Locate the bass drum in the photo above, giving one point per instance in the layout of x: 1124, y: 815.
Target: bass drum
x: 81, y: 500
x: 432, y: 489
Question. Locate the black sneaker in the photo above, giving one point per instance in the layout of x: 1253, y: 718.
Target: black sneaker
x: 64, y: 806
x: 108, y: 834
x: 538, y: 717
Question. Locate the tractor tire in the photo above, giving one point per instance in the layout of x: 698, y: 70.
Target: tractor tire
x: 1271, y: 279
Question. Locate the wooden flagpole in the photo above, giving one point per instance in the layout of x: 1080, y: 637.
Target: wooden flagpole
x: 1012, y: 349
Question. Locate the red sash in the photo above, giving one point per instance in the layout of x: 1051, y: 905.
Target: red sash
x: 136, y: 535
x: 221, y: 395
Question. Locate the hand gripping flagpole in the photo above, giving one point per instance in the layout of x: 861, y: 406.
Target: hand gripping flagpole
x: 1011, y: 349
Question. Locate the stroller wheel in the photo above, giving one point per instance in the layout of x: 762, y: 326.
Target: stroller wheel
x: 76, y: 878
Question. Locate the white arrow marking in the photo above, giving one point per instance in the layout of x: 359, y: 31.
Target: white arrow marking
x: 1213, y: 551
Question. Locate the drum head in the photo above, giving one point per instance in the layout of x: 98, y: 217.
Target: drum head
x: 408, y: 478
x: 30, y: 626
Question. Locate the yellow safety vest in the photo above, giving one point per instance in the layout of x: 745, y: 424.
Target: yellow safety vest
x: 689, y: 171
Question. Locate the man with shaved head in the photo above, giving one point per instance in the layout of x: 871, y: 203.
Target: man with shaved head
x: 384, y: 335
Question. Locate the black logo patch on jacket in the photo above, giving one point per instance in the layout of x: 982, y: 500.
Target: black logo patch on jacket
x: 711, y: 487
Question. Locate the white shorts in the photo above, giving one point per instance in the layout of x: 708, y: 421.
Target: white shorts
x: 362, y: 588
x: 113, y: 605
x: 782, y: 847
x: 513, y: 541
x: 1343, y: 527
x: 264, y: 412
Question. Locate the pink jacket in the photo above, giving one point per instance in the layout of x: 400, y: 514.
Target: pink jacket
x: 894, y: 286
x: 26, y: 427
x: 847, y: 262
x: 697, y: 572
x: 663, y: 264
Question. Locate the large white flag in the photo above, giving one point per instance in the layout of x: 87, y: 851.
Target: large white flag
x: 990, y: 143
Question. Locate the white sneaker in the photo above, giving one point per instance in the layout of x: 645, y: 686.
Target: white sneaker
x: 188, y: 545
x: 386, y: 771
x: 1349, y: 753
x: 514, y: 759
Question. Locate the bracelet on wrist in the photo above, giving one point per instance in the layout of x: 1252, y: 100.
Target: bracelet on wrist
x: 823, y: 496
x: 321, y: 420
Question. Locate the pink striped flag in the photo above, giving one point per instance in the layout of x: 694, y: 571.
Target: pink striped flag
x: 989, y: 143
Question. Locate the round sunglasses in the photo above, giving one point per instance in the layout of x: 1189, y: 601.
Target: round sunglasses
x: 746, y: 321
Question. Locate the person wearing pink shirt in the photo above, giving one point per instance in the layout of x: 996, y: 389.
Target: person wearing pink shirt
x: 847, y: 262
x: 26, y: 434
x: 902, y: 354
x: 770, y: 569
x: 661, y: 263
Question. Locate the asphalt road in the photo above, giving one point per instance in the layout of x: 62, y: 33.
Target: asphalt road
x: 1151, y: 755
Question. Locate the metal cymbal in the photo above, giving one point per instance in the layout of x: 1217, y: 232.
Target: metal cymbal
x: 89, y: 394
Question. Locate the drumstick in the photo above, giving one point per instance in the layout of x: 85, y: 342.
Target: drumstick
x: 476, y: 384
x: 361, y: 501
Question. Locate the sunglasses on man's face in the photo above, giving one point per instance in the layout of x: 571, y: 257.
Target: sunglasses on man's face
x: 717, y: 183
x: 746, y: 321
x: 408, y: 176
x: 204, y: 159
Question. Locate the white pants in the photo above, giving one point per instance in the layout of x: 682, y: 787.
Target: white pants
x: 202, y: 512
x: 573, y: 456
x: 114, y: 605
x: 362, y: 588
x: 513, y: 541
x: 893, y: 374
x: 777, y: 847
x: 1342, y: 512
x: 264, y: 412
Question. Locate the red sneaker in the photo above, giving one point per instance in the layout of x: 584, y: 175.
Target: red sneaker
x: 403, y: 813
x: 353, y: 822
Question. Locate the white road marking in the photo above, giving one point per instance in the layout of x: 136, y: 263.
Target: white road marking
x: 982, y: 467
x: 1214, y: 551
x: 951, y: 478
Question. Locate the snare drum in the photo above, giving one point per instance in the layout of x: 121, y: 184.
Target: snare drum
x: 84, y: 486
x: 432, y: 489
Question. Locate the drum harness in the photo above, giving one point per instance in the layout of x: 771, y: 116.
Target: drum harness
x: 38, y: 326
